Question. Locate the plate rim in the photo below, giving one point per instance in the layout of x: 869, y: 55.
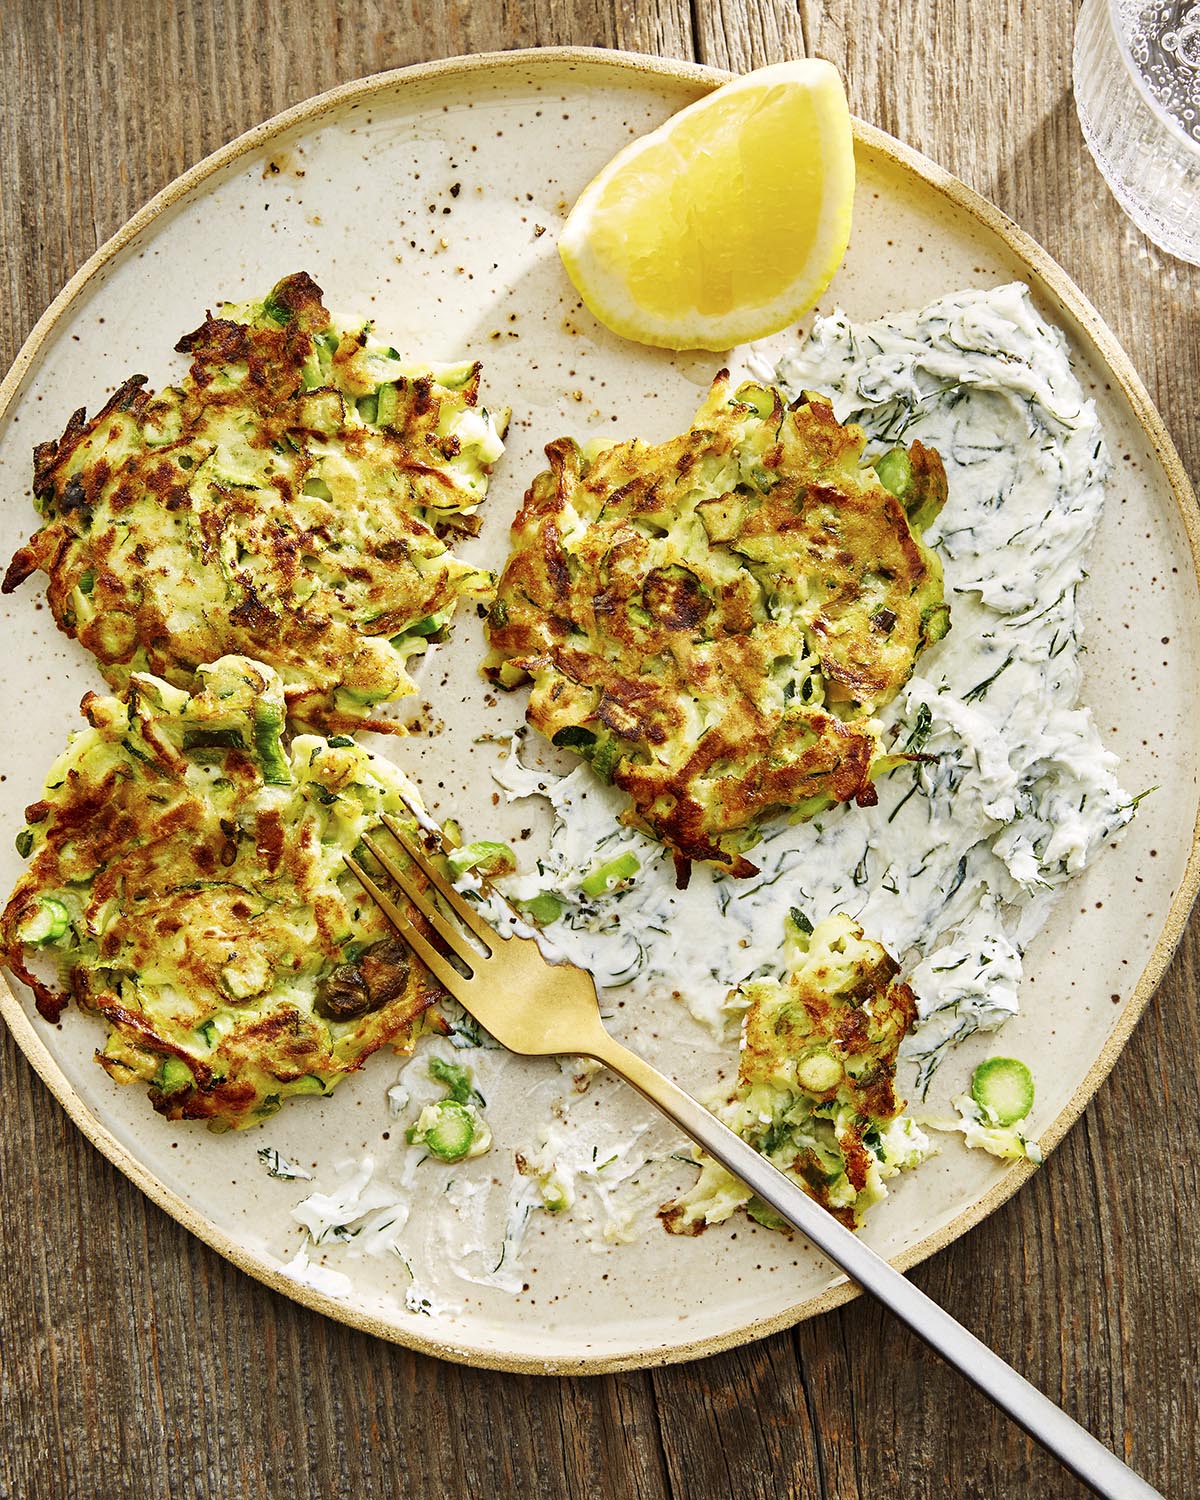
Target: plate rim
x: 1061, y: 289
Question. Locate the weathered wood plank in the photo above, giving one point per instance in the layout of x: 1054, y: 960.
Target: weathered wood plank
x: 733, y: 35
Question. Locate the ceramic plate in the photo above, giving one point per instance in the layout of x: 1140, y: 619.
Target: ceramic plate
x: 431, y: 198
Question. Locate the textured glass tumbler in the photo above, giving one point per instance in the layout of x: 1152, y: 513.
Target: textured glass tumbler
x: 1137, y: 93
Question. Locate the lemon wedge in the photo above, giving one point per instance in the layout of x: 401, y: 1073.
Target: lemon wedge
x: 727, y: 222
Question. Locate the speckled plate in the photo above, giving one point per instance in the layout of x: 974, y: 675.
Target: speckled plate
x: 431, y: 198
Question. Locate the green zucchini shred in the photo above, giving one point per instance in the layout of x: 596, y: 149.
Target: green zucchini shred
x: 173, y: 1076
x: 894, y: 472
x: 604, y: 877
x: 485, y: 856
x: 268, y: 745
x: 544, y: 908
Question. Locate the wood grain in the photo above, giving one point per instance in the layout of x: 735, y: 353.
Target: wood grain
x: 133, y: 1361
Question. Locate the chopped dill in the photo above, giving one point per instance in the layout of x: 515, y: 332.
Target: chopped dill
x: 980, y: 689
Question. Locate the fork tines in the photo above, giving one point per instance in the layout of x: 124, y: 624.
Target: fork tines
x: 461, y: 907
x: 419, y: 894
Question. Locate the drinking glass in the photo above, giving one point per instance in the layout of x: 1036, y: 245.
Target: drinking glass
x: 1137, y: 93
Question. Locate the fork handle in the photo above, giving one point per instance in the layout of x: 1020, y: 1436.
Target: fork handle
x: 1063, y: 1437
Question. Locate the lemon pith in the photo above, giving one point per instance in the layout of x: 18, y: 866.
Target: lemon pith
x: 725, y: 223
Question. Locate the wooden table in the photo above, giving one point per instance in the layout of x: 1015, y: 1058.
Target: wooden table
x: 134, y: 1361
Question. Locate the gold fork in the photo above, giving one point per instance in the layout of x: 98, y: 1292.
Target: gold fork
x: 540, y: 1009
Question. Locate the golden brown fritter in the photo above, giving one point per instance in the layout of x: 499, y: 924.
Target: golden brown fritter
x: 187, y: 883
x: 285, y: 501
x: 714, y: 620
x: 816, y: 1084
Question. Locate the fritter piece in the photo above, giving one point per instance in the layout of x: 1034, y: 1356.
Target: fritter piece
x: 188, y: 881
x: 715, y: 620
x: 815, y: 1090
x: 285, y: 501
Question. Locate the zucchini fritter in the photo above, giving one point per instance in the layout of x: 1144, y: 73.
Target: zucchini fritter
x: 285, y: 501
x: 188, y: 880
x: 815, y: 1090
x: 714, y: 621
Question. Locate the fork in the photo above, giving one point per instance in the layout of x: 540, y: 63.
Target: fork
x: 539, y: 1009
